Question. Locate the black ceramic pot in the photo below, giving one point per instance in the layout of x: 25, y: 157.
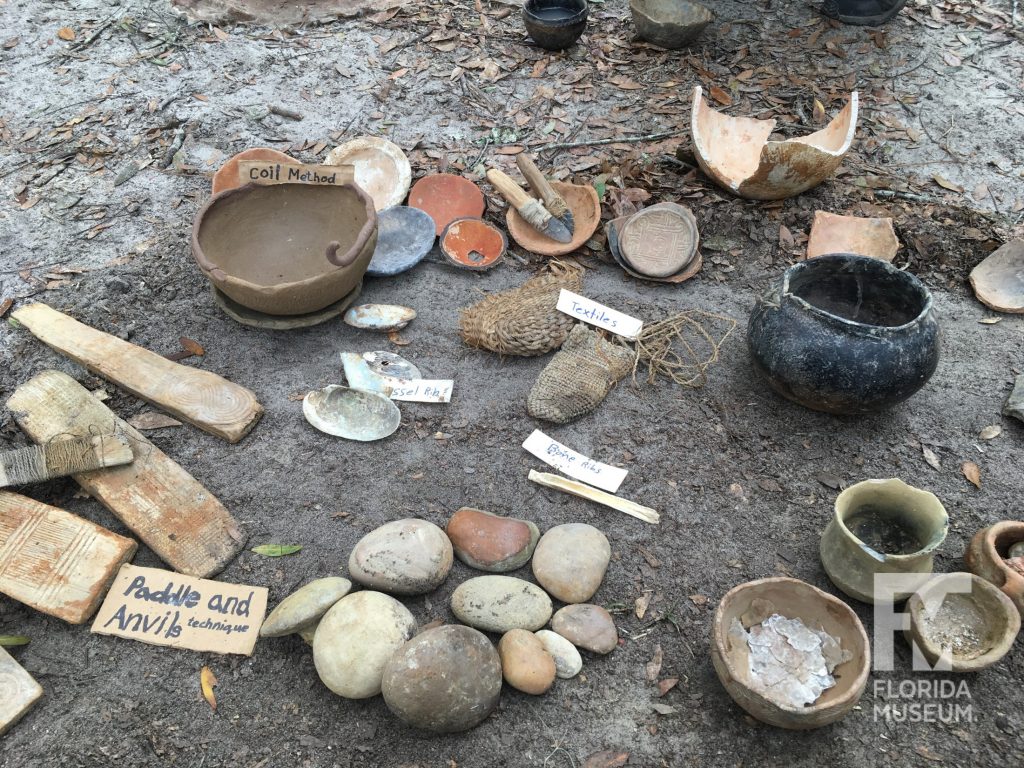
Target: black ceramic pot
x: 845, y: 334
x: 871, y: 13
x: 555, y: 24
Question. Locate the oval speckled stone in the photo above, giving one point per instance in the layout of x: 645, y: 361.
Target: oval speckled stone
x: 568, y: 661
x: 491, y: 542
x: 501, y: 603
x: 570, y: 561
x: 444, y: 680
x: 404, y: 557
x: 587, y: 626
x: 525, y: 664
x: 355, y: 639
x: 304, y: 607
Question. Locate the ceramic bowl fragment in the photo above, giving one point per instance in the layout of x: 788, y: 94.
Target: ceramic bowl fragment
x: 832, y: 233
x: 380, y: 317
x: 446, y: 197
x: 586, y: 211
x: 391, y: 365
x: 750, y: 604
x: 473, y: 244
x: 669, y: 23
x: 963, y: 620
x: 736, y: 153
x: 351, y: 413
x: 998, y: 281
x: 404, y: 237
x: 380, y: 166
x: 227, y: 176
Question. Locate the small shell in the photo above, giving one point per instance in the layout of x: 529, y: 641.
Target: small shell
x: 351, y: 413
x: 391, y: 365
x: 380, y: 317
x: 359, y: 375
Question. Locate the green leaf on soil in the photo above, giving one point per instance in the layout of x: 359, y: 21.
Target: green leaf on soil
x: 277, y: 550
x: 9, y: 641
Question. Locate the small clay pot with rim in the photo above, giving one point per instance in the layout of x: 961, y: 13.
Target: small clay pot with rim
x: 987, y: 554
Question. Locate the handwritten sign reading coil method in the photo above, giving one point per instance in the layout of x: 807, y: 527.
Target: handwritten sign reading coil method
x: 589, y: 311
x: 167, y: 608
x: 264, y: 172
x: 574, y: 464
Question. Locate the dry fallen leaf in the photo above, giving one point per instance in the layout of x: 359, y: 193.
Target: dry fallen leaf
x: 641, y: 604
x: 818, y: 112
x: 991, y: 431
x: 930, y: 457
x: 153, y: 420
x: 666, y: 685
x: 945, y: 183
x: 972, y: 472
x: 720, y: 95
x: 192, y: 347
x: 66, y: 33
x: 990, y: 320
x: 653, y: 667
x: 207, y: 681
x: 607, y: 759
x: 397, y: 340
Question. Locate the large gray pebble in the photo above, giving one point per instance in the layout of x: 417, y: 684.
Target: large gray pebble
x: 570, y: 561
x: 501, y: 603
x: 404, y: 557
x: 304, y: 607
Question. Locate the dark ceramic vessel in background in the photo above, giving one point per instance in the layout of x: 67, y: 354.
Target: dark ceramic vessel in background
x: 845, y: 334
x: 555, y: 24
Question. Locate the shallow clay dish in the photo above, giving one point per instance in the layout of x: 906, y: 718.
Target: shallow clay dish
x: 988, y: 552
x: 659, y: 241
x: 998, y: 281
x: 586, y: 211
x: 669, y: 23
x: 286, y: 249
x: 473, y: 244
x: 381, y: 168
x: 447, y: 197
x: 255, y: 319
x: 974, y: 628
x: 611, y: 229
x: 227, y: 176
x: 404, y: 237
x: 754, y: 601
x: 832, y: 233
x: 736, y: 153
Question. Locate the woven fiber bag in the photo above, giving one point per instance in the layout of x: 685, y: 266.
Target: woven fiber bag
x: 523, y: 321
x: 579, y: 376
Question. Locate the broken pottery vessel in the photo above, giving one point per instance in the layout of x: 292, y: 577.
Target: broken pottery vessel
x: 380, y: 317
x: 736, y: 153
x: 845, y: 334
x: 351, y: 413
x: 832, y: 233
x: 753, y: 602
x: 404, y: 238
x: 381, y: 168
x: 586, y: 211
x: 988, y: 552
x: 446, y: 197
x: 669, y: 23
x: 962, y: 619
x: 998, y: 281
x: 227, y: 176
x: 473, y: 244
x: 286, y: 249
x: 882, y: 526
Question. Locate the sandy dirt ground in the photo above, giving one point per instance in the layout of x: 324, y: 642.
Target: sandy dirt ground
x: 108, y: 143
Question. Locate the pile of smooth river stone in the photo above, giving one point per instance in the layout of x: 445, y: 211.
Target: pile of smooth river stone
x: 448, y: 678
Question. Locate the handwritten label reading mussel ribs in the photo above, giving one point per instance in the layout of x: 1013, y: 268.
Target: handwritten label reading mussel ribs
x: 166, y: 608
x: 264, y: 173
x: 589, y: 311
x: 421, y: 390
x: 575, y: 465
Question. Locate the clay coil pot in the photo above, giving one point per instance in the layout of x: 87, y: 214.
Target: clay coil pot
x: 750, y: 603
x: 882, y: 526
x: 987, y: 553
x: 555, y: 24
x: 286, y: 249
x: 736, y: 153
x: 845, y: 334
x: 669, y: 23
x: 962, y: 619
x: 586, y: 211
x: 227, y: 176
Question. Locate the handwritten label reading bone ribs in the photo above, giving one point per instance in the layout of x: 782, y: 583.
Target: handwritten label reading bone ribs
x: 166, y: 608
x: 589, y: 311
x: 421, y: 390
x: 264, y: 173
x: 574, y: 464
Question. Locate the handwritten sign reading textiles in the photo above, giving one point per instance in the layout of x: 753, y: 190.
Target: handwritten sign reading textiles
x: 264, y: 172
x: 589, y: 311
x: 167, y: 608
x: 421, y: 390
x: 574, y: 464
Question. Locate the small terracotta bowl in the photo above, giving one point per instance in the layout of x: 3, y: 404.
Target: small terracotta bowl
x: 586, y: 211
x: 227, y: 177
x: 447, y: 197
x: 473, y: 244
x: 286, y: 249
x: 964, y: 615
x: 987, y: 554
x: 793, y: 599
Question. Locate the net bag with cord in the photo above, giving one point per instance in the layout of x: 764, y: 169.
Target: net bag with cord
x: 523, y: 321
x: 579, y: 376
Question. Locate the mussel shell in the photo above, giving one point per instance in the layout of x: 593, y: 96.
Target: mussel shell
x: 391, y: 365
x: 380, y: 317
x: 351, y: 413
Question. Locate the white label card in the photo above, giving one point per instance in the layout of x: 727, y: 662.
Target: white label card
x: 575, y: 465
x: 421, y: 390
x: 589, y: 311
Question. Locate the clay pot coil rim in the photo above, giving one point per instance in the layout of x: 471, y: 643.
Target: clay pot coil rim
x: 884, y: 557
x: 220, y: 277
x: 871, y: 263
x: 720, y: 633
